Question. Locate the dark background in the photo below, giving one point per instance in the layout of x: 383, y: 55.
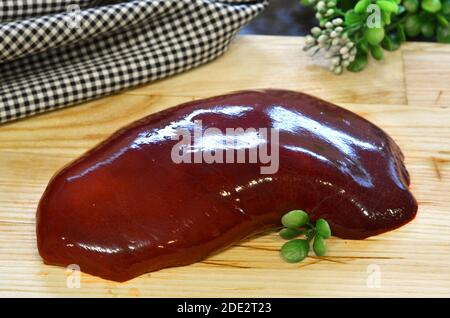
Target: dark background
x: 282, y: 17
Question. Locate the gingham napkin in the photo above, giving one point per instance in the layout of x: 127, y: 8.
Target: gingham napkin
x: 55, y: 53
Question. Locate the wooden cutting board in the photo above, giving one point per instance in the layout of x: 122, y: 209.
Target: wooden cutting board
x: 408, y: 95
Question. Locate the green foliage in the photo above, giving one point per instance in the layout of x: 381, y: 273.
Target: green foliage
x: 377, y: 52
x: 374, y: 35
x: 369, y: 26
x: 431, y: 6
x: 412, y: 25
x: 411, y: 5
x: 443, y: 34
x: 352, y: 18
x: 297, y: 223
x: 359, y: 63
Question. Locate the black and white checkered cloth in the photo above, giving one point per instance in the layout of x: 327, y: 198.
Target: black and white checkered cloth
x: 55, y: 53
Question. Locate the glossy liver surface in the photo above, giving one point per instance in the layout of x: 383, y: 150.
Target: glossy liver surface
x: 125, y: 207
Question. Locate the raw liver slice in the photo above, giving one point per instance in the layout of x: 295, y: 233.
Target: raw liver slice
x: 125, y: 208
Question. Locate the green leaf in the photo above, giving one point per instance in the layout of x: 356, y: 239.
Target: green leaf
x: 361, y: 6
x: 363, y: 46
x: 288, y: 233
x: 352, y: 18
x: 401, y: 33
x: 359, y: 63
x: 295, y: 251
x: 323, y: 228
x: 390, y: 43
x: 442, y: 20
x: 319, y: 246
x: 295, y: 219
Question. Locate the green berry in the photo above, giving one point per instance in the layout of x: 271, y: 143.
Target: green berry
x: 377, y: 52
x: 411, y: 5
x: 443, y: 34
x: 331, y: 3
x: 386, y: 17
x: 319, y: 246
x: 428, y: 29
x: 361, y: 6
x: 388, y: 6
x: 431, y: 6
x: 323, y: 228
x: 412, y: 26
x: 374, y: 35
x: 295, y: 251
x: 295, y: 219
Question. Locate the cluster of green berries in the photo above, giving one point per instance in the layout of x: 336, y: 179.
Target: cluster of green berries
x: 325, y: 10
x: 297, y: 223
x: 351, y: 31
x: 332, y: 40
x: 428, y: 18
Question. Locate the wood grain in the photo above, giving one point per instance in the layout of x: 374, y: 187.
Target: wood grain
x: 267, y: 61
x: 411, y: 261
